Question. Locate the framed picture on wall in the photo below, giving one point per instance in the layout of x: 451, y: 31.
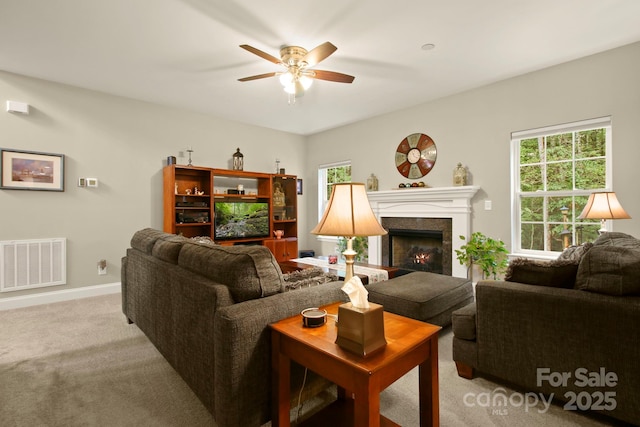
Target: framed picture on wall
x: 30, y: 170
x: 299, y: 186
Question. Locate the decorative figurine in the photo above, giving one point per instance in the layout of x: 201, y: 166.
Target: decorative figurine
x: 372, y: 183
x: 190, y: 150
x: 278, y: 195
x: 238, y: 160
x: 459, y: 175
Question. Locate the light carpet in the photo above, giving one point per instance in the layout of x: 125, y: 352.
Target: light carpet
x: 78, y: 363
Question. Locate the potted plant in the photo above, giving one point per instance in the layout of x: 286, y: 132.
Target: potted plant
x: 360, y: 245
x: 488, y: 254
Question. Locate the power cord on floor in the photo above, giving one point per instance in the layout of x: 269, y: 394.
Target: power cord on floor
x: 304, y: 381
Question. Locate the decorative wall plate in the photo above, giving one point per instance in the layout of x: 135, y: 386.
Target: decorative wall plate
x: 416, y: 155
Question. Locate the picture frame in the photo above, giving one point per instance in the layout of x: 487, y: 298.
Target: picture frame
x: 299, y: 186
x: 31, y: 170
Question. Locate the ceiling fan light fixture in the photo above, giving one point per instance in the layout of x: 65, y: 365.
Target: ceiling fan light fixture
x: 295, y: 85
x: 299, y: 77
x: 286, y: 79
x: 306, y: 82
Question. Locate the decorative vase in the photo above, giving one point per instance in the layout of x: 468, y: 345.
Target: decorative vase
x: 459, y: 175
x: 372, y: 183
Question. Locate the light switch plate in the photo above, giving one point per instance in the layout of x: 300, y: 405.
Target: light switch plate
x: 17, y: 107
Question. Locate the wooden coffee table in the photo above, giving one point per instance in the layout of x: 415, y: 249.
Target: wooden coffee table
x: 360, y: 380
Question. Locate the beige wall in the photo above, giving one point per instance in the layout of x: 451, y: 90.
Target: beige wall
x: 474, y: 128
x: 124, y: 143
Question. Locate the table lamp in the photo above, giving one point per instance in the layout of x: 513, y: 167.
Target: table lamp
x: 603, y: 206
x: 349, y: 214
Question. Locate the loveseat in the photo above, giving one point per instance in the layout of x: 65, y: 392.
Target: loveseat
x: 568, y: 328
x: 207, y: 308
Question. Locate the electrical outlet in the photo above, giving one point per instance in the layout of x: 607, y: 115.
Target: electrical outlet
x: 488, y: 205
x: 102, y: 267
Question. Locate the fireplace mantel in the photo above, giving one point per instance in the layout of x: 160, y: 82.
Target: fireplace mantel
x: 441, y: 202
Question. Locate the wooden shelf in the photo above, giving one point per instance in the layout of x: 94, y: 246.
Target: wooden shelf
x: 337, y: 414
x: 258, y: 186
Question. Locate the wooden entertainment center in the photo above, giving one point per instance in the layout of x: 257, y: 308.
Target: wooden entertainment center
x: 190, y: 195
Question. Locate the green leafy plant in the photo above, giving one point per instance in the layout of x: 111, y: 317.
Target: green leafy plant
x: 487, y: 253
x: 360, y: 245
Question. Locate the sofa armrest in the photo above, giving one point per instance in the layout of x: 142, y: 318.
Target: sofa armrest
x: 463, y: 322
x: 243, y: 351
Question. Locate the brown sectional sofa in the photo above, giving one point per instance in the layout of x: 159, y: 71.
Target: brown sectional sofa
x: 207, y: 309
x: 578, y: 315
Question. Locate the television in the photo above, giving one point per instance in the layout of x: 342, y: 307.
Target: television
x: 238, y: 220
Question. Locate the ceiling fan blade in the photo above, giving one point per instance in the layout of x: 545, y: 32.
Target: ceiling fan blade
x: 256, y: 77
x: 332, y: 76
x: 319, y: 53
x: 261, y: 54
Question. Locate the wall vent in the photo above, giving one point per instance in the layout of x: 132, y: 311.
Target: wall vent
x: 27, y: 264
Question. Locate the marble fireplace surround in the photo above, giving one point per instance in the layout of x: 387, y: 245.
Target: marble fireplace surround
x: 440, y: 202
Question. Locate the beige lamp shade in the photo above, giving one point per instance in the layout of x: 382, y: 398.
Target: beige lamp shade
x: 349, y: 213
x: 603, y: 206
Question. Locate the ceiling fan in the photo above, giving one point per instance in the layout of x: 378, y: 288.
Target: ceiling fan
x: 297, y: 61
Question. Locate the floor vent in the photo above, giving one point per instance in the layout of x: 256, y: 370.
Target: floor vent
x: 27, y: 264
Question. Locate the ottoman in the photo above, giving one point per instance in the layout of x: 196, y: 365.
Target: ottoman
x: 428, y: 297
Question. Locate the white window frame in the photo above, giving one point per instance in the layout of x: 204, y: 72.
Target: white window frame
x: 516, y: 226
x: 322, y: 191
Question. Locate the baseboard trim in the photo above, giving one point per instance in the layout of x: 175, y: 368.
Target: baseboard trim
x: 58, y: 296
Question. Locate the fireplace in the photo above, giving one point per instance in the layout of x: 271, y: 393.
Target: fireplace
x: 445, y: 209
x: 417, y: 244
x: 416, y: 250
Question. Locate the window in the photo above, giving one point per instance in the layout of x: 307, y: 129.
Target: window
x: 327, y: 176
x: 554, y: 170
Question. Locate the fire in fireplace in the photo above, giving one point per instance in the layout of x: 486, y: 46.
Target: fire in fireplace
x: 418, y: 250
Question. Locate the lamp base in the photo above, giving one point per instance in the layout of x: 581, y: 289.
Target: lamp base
x: 603, y: 226
x: 361, y: 330
x: 349, y: 259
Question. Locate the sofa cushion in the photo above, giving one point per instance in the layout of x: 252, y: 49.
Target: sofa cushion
x: 250, y: 272
x: 576, y: 252
x: 559, y: 273
x: 167, y: 248
x: 204, y: 240
x: 144, y: 240
x: 611, y: 270
x: 614, y: 238
x: 307, y: 277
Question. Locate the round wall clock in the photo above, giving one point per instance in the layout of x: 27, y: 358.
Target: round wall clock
x: 416, y: 156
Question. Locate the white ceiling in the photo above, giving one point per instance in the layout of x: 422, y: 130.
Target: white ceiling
x: 185, y: 53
